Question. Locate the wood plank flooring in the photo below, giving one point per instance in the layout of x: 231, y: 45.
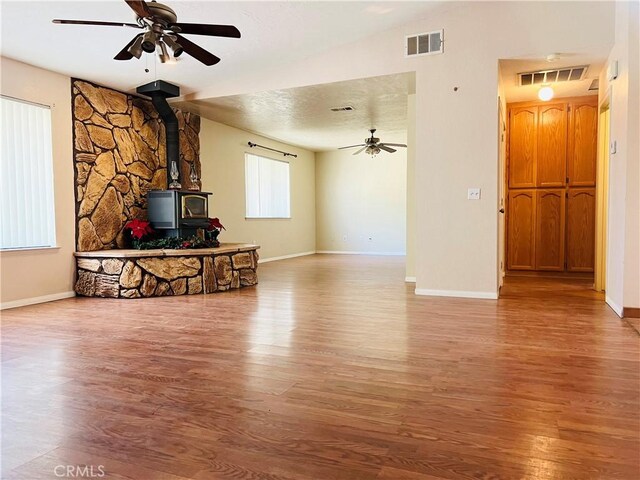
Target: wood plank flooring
x: 329, y: 369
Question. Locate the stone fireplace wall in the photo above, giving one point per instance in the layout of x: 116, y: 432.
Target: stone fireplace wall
x: 119, y: 155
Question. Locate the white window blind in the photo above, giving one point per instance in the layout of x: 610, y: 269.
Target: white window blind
x: 266, y: 187
x: 26, y: 176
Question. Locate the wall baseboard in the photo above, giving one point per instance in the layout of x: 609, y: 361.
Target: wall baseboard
x: 456, y: 293
x: 33, y: 300
x: 614, y: 306
x: 630, y: 312
x: 284, y: 257
x: 410, y: 279
x: 342, y: 252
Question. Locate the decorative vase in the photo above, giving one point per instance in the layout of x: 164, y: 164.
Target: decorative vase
x: 174, y: 174
x: 193, y: 176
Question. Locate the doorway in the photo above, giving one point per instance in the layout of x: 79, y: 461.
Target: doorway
x: 602, y: 197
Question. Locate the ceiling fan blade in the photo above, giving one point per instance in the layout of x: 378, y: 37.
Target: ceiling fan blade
x: 140, y: 7
x: 382, y: 146
x: 360, y: 151
x: 394, y: 144
x: 204, y: 29
x: 351, y: 146
x: 197, y: 52
x: 92, y: 22
x: 124, y: 54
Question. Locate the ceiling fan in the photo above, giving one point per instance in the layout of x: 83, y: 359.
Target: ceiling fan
x: 161, y: 30
x: 372, y: 145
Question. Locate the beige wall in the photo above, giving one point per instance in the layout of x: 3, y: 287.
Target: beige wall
x: 31, y: 274
x: 361, y: 201
x: 456, y: 131
x: 410, y: 262
x: 623, y: 232
x: 222, y: 150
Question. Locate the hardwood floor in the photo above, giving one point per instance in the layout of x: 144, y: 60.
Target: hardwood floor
x: 329, y: 369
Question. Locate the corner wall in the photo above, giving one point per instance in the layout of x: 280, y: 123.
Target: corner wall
x: 222, y: 150
x: 361, y: 201
x: 55, y: 266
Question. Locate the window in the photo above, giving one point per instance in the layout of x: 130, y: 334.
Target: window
x: 26, y: 176
x: 266, y: 187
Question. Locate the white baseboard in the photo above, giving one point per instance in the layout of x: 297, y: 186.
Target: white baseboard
x: 342, y: 252
x: 410, y: 279
x: 456, y: 293
x: 284, y: 257
x: 33, y: 300
x: 614, y: 306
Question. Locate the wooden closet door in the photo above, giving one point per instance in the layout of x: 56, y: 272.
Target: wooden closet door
x: 551, y: 159
x: 583, y: 143
x: 521, y: 230
x: 581, y: 229
x: 523, y: 122
x: 550, y: 220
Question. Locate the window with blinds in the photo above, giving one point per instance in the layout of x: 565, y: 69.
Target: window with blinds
x: 266, y: 187
x: 26, y: 176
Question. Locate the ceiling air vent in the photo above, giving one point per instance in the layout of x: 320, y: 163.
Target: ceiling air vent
x: 595, y: 84
x: 566, y: 74
x: 346, y: 108
x: 428, y: 43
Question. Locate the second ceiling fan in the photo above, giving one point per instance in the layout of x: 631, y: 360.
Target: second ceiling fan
x: 373, y: 146
x: 162, y: 31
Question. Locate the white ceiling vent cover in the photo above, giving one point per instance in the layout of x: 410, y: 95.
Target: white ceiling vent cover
x: 566, y: 74
x: 429, y: 43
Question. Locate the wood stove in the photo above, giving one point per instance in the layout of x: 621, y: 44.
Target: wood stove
x: 178, y: 213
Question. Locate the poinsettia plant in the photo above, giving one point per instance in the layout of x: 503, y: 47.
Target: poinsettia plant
x: 213, y: 230
x: 138, y: 229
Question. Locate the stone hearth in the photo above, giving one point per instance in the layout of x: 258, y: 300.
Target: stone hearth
x: 155, y: 273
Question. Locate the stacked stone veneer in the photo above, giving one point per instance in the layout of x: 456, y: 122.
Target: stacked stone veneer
x: 119, y: 155
x: 154, y: 276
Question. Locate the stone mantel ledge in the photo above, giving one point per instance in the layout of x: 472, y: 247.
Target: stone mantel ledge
x: 224, y: 248
x: 161, y: 272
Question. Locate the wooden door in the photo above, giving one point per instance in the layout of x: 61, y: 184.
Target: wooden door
x: 550, y: 221
x: 521, y: 230
x: 523, y: 122
x: 583, y: 143
x: 581, y: 221
x: 551, y: 158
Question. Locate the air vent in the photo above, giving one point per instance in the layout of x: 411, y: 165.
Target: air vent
x: 346, y: 108
x: 551, y: 76
x: 595, y: 84
x: 428, y: 43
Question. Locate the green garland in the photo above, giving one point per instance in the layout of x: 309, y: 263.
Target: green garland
x: 179, y: 243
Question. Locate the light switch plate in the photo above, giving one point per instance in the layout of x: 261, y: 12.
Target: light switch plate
x: 473, y: 194
x: 613, y: 146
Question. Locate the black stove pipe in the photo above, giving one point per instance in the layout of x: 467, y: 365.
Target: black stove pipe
x: 159, y: 91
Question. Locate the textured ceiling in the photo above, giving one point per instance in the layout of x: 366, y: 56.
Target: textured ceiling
x: 273, y: 34
x: 509, y: 70
x: 303, y: 117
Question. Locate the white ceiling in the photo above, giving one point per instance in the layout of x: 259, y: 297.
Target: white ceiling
x: 509, y: 70
x: 302, y: 116
x: 273, y: 33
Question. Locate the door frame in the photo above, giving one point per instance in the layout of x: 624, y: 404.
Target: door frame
x: 602, y: 193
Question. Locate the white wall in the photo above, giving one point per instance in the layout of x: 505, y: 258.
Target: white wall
x: 623, y: 242
x: 361, y: 201
x: 29, y: 276
x: 222, y: 150
x: 456, y: 131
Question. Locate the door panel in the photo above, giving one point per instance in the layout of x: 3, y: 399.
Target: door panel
x: 552, y: 145
x: 583, y: 143
x: 581, y: 229
x: 550, y: 215
x: 522, y: 146
x: 521, y: 230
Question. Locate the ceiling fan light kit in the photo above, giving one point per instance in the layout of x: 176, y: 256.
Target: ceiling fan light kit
x: 372, y: 146
x: 161, y: 30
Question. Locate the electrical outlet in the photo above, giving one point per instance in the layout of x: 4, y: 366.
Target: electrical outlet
x: 344, y: 238
x: 473, y: 194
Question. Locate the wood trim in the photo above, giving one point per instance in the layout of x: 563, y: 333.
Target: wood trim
x: 630, y: 312
x: 530, y: 103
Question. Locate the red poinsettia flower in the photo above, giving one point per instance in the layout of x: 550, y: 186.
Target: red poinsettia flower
x: 214, y: 224
x: 139, y: 228
x: 185, y: 245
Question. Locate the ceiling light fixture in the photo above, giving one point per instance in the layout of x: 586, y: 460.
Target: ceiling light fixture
x: 163, y: 54
x: 173, y: 45
x: 545, y: 93
x: 136, y: 48
x: 149, y: 40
